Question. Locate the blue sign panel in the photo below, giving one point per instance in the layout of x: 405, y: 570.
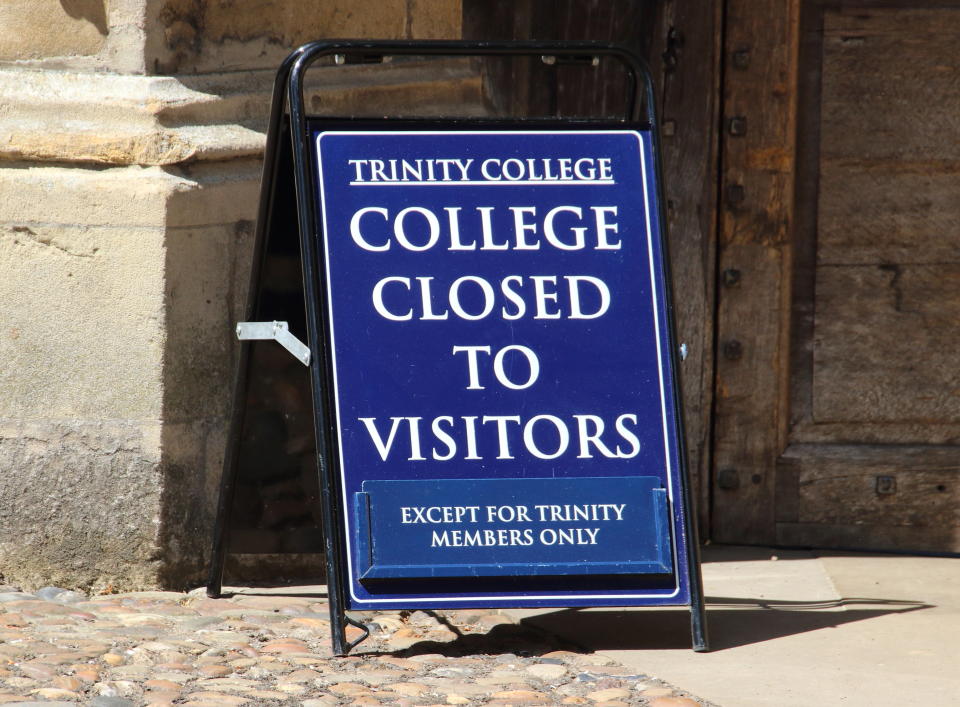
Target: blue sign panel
x: 502, y: 377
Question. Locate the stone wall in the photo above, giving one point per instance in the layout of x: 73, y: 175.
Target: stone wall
x: 131, y: 134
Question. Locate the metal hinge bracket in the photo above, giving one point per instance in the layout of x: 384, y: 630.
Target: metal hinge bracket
x: 277, y: 331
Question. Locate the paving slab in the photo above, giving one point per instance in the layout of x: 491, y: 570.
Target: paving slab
x: 795, y: 629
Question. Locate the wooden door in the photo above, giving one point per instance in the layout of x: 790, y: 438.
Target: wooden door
x: 838, y: 319
x: 681, y: 42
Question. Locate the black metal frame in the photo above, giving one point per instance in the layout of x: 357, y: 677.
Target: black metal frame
x: 288, y: 91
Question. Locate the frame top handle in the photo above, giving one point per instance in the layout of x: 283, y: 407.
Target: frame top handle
x: 580, y: 52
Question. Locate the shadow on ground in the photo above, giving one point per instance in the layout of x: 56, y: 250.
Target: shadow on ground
x: 521, y: 640
x: 471, y: 640
x: 732, y: 622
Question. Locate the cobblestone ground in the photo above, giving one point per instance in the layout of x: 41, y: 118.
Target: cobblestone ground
x: 60, y: 647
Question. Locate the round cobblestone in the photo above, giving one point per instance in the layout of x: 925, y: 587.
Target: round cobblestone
x: 164, y: 649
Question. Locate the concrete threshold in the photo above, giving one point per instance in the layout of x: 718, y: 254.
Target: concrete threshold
x: 795, y: 628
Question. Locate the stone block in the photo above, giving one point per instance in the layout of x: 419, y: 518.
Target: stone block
x: 451, y: 89
x: 78, y: 29
x: 165, y: 121
x: 79, y: 503
x: 435, y: 19
x: 163, y: 37
x: 188, y: 37
x: 127, y: 208
x: 117, y: 328
x: 75, y: 34
x: 81, y: 306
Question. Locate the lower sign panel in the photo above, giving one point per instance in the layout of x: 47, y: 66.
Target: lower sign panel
x: 465, y: 528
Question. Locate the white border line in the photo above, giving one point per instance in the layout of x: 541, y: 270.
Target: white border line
x: 488, y: 183
x: 333, y: 358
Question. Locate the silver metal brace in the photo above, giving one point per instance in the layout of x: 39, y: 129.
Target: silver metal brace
x: 277, y: 331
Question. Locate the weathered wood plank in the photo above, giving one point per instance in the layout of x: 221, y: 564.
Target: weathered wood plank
x: 515, y: 86
x: 873, y: 388
x: 889, y: 213
x: 527, y: 87
x: 687, y: 65
x: 747, y: 403
x: 893, y: 486
x: 600, y: 91
x: 805, y: 237
x: 891, y: 84
x: 890, y: 136
x: 939, y: 457
x: 875, y: 433
x: 885, y: 345
x: 757, y: 172
x: 788, y: 493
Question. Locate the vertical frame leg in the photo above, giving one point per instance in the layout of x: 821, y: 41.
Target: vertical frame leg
x: 700, y: 638
x: 221, y: 529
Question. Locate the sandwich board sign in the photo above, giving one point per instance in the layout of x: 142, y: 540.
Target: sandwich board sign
x: 495, y: 372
